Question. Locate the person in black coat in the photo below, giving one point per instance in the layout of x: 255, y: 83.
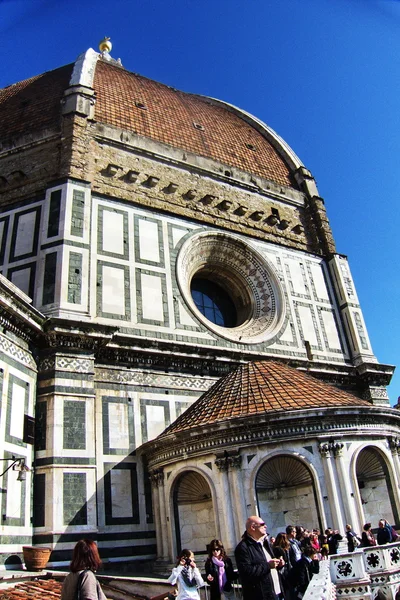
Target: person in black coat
x: 281, y: 548
x: 305, y: 568
x: 384, y: 535
x: 256, y: 565
x: 219, y: 571
x: 334, y: 538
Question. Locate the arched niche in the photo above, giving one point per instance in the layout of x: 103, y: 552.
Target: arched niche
x: 375, y: 486
x: 193, y: 512
x: 286, y: 494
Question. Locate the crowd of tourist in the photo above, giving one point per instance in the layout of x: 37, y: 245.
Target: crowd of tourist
x: 269, y: 568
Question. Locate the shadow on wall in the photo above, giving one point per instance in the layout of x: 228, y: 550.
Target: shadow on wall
x: 111, y: 516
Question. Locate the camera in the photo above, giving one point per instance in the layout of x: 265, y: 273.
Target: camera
x: 188, y: 561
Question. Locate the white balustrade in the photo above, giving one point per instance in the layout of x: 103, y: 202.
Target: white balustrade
x: 321, y: 586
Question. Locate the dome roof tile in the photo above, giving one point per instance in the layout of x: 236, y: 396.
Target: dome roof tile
x: 33, y: 104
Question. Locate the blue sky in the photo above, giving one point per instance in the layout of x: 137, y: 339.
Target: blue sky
x: 325, y: 74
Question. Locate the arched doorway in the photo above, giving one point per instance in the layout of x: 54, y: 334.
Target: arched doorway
x: 286, y: 494
x: 375, y: 487
x: 193, y: 512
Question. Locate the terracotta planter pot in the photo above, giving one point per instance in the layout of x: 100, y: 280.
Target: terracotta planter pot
x: 36, y: 557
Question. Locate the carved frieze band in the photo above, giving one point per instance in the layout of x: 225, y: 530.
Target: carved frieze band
x: 67, y: 363
x: 16, y: 352
x: 154, y: 379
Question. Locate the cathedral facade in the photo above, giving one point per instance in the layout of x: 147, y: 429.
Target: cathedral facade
x: 181, y: 343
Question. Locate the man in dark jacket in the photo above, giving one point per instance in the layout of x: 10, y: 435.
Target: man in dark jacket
x: 256, y: 565
x: 384, y: 535
x: 305, y: 568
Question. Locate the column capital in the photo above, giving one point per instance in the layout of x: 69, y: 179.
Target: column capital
x: 227, y: 461
x: 325, y: 449
x: 157, y: 477
x: 394, y: 444
x: 334, y: 447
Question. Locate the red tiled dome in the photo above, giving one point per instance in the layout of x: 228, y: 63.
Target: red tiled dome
x: 258, y: 388
x: 186, y: 121
x: 33, y: 104
x: 196, y: 124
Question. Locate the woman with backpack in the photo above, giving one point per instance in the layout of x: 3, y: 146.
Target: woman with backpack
x: 353, y: 541
x: 82, y: 579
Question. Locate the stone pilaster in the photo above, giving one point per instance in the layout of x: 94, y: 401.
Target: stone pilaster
x: 326, y: 451
x: 163, y: 513
x: 350, y: 515
x: 236, y: 480
x: 225, y: 505
x: 154, y: 478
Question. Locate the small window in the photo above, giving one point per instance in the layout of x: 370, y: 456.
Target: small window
x: 29, y: 430
x: 213, y: 302
x: 250, y: 146
x: 140, y: 104
x: 198, y: 126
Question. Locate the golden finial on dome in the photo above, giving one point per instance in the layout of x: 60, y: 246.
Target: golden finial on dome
x: 105, y: 45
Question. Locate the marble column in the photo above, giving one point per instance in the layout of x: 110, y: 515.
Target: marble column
x: 350, y: 515
x: 394, y: 445
x: 236, y: 480
x: 332, y: 489
x: 227, y: 535
x: 163, y: 514
x: 156, y: 510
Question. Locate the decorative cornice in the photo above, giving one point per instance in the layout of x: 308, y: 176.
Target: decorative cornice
x: 89, y: 337
x: 299, y: 425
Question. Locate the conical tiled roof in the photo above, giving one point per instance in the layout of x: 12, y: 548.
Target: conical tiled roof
x: 258, y: 388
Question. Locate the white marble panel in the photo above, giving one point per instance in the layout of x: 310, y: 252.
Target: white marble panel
x: 118, y: 431
x: 184, y: 316
x: 113, y: 298
x: 113, y: 232
x: 307, y: 324
x: 13, y: 496
x: 21, y: 278
x: 155, y: 421
x: 319, y: 282
x: 177, y: 235
x: 149, y: 241
x: 285, y: 506
x: 330, y: 329
x: 17, y: 411
x: 121, y: 493
x: 287, y: 335
x: 297, y: 277
x: 197, y: 525
x: 375, y: 500
x: 25, y: 234
x: 152, y: 300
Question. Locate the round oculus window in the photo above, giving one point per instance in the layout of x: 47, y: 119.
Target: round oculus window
x: 230, y: 287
